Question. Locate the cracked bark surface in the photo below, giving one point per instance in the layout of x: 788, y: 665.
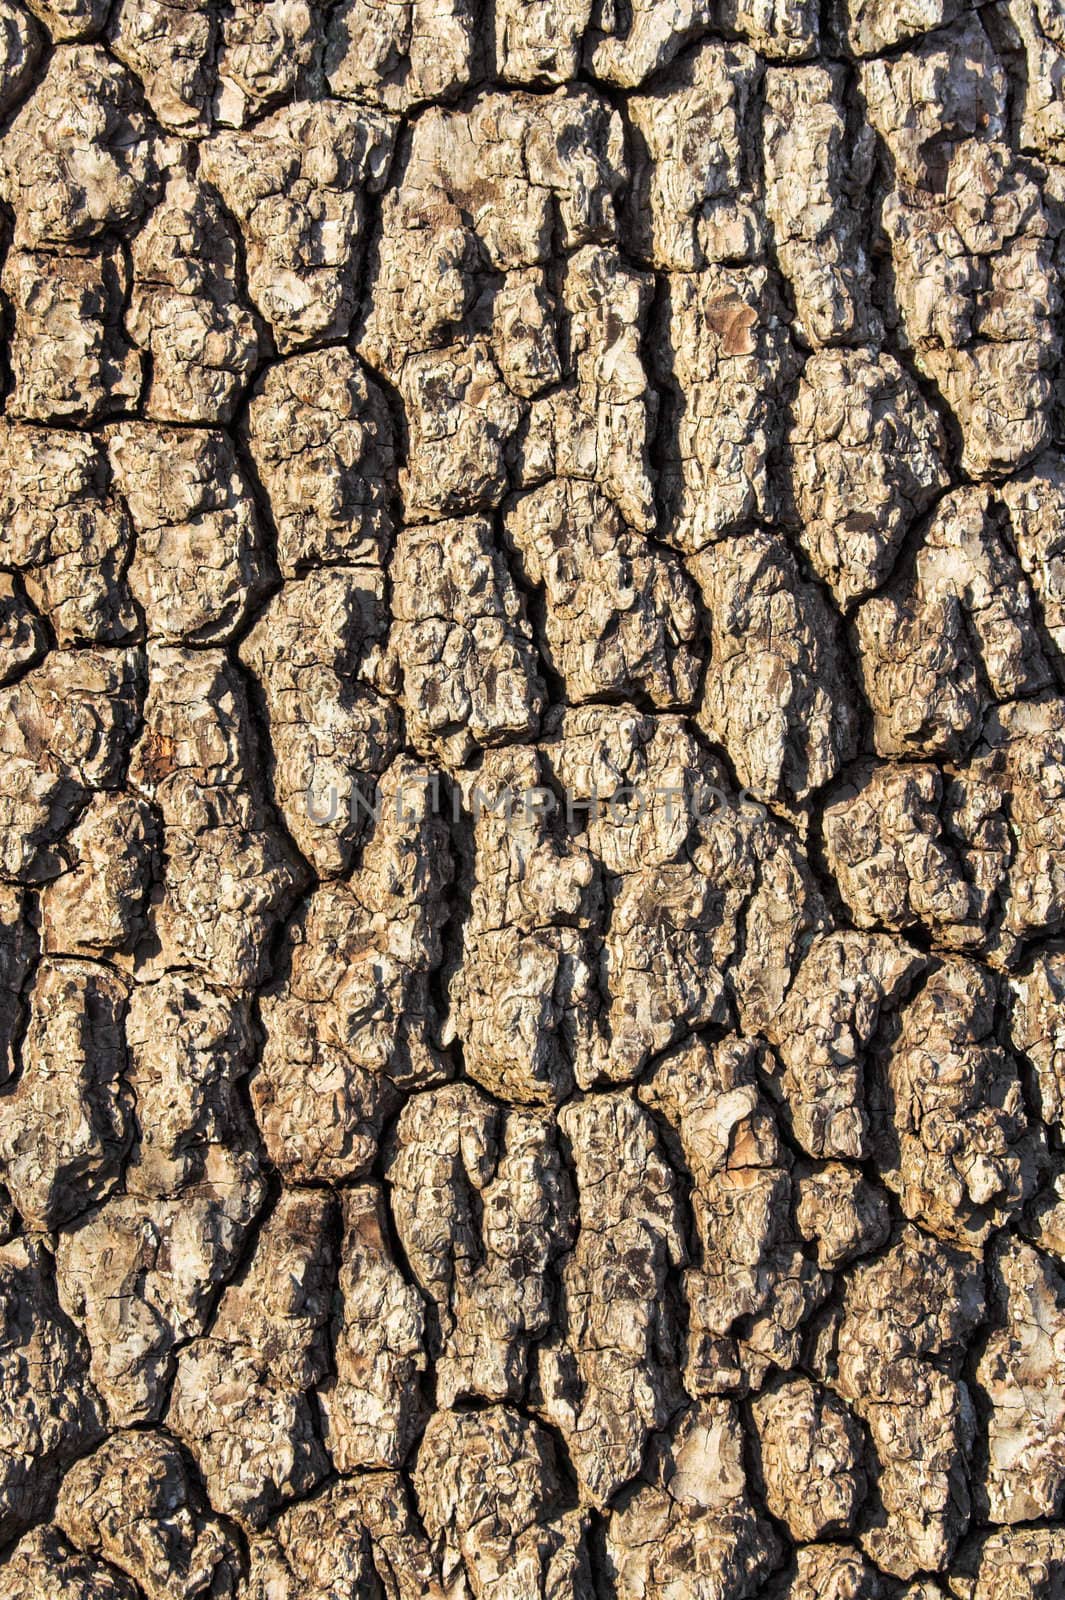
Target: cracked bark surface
x: 532, y: 800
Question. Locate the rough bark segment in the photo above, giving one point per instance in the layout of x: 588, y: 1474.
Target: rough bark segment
x: 143, y: 1272
x: 831, y: 1572
x: 70, y: 358
x: 610, y: 1379
x: 67, y: 1122
x: 620, y: 618
x: 692, y: 1523
x: 71, y: 19
x: 914, y: 845
x: 490, y: 1496
x: 22, y: 637
x: 45, y: 1563
x: 228, y: 874
x: 405, y: 51
x: 1020, y: 1372
x: 170, y: 45
x: 462, y: 319
x: 524, y: 975
x: 540, y: 44
x: 974, y: 294
x: 266, y: 55
x: 355, y: 1537
x: 297, y: 185
x: 1028, y: 1562
x: 1025, y: 741
x: 843, y: 1212
x: 189, y: 1044
x: 320, y: 436
x: 187, y: 310
x: 67, y: 533
x: 134, y: 1505
x: 67, y: 728
x: 373, y: 1409
x: 954, y: 632
x: 816, y: 179
x: 137, y: 1309
x: 1037, y: 1029
x: 79, y: 156
x: 906, y: 1320
x: 953, y: 1137
x: 97, y: 906
x: 867, y: 457
x: 780, y: 30
x: 516, y: 163
x: 873, y: 27
x: 749, y: 1290
x: 1032, y: 500
x: 331, y: 735
x: 198, y: 564
x: 20, y: 47
x: 241, y: 1399
x: 18, y: 948
x: 689, y: 202
x: 352, y: 1021
x: 1030, y: 38
x: 625, y: 48
x: 52, y: 1412
x: 773, y: 697
x: 824, y: 1030
x: 461, y: 418
x: 461, y: 642
x: 811, y: 1450
x: 721, y: 354
x: 483, y: 1210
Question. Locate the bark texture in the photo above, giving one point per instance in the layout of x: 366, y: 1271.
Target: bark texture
x: 532, y: 800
